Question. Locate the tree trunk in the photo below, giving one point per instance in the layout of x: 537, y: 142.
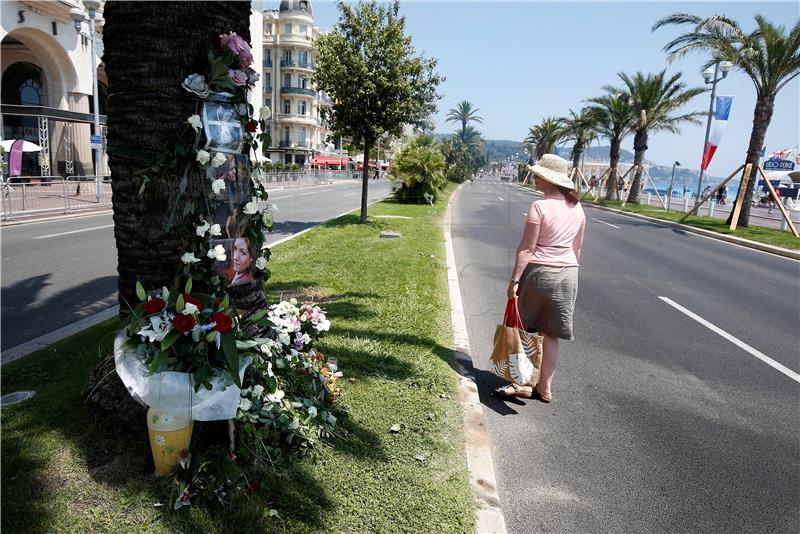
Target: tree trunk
x: 611, y: 183
x: 762, y: 116
x: 639, y: 149
x: 149, y: 50
x: 365, y: 180
x: 577, y: 150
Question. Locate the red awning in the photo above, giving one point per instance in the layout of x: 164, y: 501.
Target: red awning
x: 330, y: 161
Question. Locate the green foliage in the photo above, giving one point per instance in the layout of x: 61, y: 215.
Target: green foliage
x: 546, y: 135
x: 419, y: 169
x: 464, y: 113
x: 465, y: 153
x: 377, y: 81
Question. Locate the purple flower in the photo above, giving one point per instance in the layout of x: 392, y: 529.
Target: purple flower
x: 239, y: 47
x: 298, y: 341
x: 238, y: 77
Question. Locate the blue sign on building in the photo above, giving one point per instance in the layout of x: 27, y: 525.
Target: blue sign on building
x: 779, y: 165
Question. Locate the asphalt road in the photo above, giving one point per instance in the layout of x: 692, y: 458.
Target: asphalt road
x: 62, y: 270
x: 658, y: 423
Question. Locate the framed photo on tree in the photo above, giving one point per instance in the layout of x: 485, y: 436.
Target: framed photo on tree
x: 221, y: 125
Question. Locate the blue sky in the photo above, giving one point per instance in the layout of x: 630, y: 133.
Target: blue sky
x: 521, y: 61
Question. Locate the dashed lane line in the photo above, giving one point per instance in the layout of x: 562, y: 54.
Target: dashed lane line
x: 606, y: 223
x: 75, y: 231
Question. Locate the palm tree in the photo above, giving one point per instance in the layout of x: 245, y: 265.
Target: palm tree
x: 614, y: 123
x: 580, y: 128
x: 654, y: 99
x: 545, y: 135
x: 768, y: 55
x: 464, y: 113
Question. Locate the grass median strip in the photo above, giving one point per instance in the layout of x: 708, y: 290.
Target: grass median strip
x: 397, y: 468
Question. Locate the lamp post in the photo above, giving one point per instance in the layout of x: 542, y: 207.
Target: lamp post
x: 671, y: 183
x: 711, y: 76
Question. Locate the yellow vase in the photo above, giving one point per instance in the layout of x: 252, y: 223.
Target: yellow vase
x: 168, y: 437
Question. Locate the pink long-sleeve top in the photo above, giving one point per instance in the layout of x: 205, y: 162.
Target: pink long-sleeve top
x: 561, y: 227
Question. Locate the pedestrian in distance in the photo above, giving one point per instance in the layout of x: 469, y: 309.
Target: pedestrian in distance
x: 544, y: 279
x: 724, y: 195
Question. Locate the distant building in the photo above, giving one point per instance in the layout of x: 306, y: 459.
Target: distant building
x: 46, y: 95
x: 297, y: 129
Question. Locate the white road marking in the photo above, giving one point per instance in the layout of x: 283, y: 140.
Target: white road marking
x: 739, y: 343
x: 74, y: 231
x: 501, y: 198
x: 606, y: 223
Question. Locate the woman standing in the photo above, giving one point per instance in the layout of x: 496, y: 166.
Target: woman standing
x: 545, y: 276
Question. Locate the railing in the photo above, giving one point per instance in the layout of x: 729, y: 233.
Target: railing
x: 31, y: 195
x: 288, y: 180
x: 268, y: 63
x: 285, y: 143
x: 298, y: 91
x: 305, y: 65
x: 287, y: 63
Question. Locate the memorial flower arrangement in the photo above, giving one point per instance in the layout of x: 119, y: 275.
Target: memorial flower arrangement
x: 287, y: 388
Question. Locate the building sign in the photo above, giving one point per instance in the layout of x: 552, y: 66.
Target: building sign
x: 778, y: 165
x: 96, y: 141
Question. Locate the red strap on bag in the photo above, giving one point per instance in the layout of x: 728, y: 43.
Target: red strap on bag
x: 511, y: 316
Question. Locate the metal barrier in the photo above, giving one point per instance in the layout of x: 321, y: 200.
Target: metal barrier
x: 31, y: 195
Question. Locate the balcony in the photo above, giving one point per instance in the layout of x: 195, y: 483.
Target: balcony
x: 298, y: 91
x: 267, y: 63
x: 286, y: 143
x: 292, y: 64
x: 287, y: 63
x: 309, y: 119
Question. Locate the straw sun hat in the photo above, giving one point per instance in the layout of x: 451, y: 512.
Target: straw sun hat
x: 553, y: 169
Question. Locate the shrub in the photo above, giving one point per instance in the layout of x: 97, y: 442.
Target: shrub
x: 419, y: 169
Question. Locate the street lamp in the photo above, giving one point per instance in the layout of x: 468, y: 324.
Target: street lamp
x: 671, y: 183
x: 711, y: 76
x: 77, y: 15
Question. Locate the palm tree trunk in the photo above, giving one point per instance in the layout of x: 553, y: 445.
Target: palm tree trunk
x: 577, y: 150
x: 611, y: 183
x: 765, y: 105
x: 146, y: 104
x: 639, y: 149
x: 365, y: 179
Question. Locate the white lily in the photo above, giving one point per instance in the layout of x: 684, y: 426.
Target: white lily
x: 277, y: 396
x: 218, y: 186
x: 215, y: 230
x: 156, y: 330
x: 189, y: 309
x: 217, y: 253
x: 195, y: 122
x: 264, y: 113
x: 189, y: 257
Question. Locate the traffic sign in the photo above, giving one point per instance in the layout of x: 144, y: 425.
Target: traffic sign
x: 96, y: 141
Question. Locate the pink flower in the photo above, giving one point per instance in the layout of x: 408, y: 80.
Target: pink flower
x: 238, y: 77
x: 239, y: 47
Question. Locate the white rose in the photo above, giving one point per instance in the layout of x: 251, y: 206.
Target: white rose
x: 272, y: 209
x: 203, y: 157
x: 217, y: 160
x: 189, y: 309
x: 261, y: 263
x: 264, y: 113
x: 202, y: 229
x: 195, y: 122
x: 251, y: 208
x: 312, y: 411
x: 217, y: 253
x: 277, y: 396
x: 266, y: 218
x: 189, y: 257
x: 245, y: 404
x: 258, y: 389
x: 218, y: 186
x: 196, y: 83
x: 215, y: 230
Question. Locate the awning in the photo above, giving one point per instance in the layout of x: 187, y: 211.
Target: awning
x: 330, y: 161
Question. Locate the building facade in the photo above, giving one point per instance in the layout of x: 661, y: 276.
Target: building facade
x: 47, y: 85
x: 297, y: 129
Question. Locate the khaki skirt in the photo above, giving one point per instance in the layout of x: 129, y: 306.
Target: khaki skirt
x: 547, y: 299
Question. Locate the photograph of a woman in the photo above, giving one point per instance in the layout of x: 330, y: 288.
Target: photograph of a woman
x: 239, y: 267
x: 237, y: 181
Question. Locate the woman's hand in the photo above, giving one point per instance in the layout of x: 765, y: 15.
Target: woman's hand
x: 512, y: 290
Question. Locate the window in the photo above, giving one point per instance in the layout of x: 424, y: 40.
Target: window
x: 301, y: 136
x: 303, y: 29
x: 302, y: 82
x: 287, y: 55
x: 303, y: 59
x: 287, y: 80
x: 267, y: 82
x: 287, y: 106
x: 301, y: 107
x: 303, y: 5
x: 287, y: 28
x: 268, y: 28
x: 23, y: 83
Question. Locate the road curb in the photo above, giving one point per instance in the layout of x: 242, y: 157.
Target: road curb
x: 489, y: 516
x: 41, y: 342
x: 763, y: 247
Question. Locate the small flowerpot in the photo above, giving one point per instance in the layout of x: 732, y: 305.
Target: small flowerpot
x: 168, y: 437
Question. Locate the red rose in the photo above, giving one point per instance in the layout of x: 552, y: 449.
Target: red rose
x: 251, y: 125
x: 217, y: 303
x: 223, y: 321
x: 252, y: 488
x: 153, y: 306
x: 183, y: 323
x: 188, y: 299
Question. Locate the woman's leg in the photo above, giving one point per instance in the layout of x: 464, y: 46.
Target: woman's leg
x: 549, y: 361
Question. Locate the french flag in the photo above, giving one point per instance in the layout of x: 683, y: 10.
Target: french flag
x: 721, y: 113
